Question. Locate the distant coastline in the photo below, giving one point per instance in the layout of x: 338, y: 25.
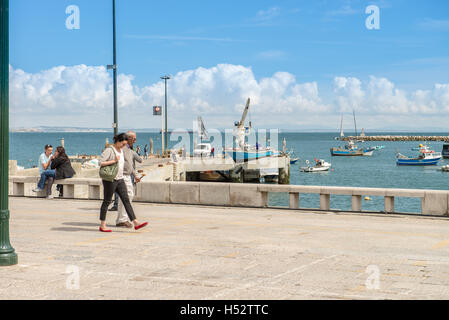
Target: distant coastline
x: 48, y: 129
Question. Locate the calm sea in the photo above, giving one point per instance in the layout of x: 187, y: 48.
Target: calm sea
x: 380, y: 170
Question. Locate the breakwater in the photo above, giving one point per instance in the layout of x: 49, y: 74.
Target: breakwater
x: 398, y: 138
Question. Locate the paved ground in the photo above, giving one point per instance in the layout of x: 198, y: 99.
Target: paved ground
x: 221, y: 253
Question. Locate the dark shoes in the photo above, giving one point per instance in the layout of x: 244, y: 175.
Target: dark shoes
x: 126, y: 224
x: 113, y: 209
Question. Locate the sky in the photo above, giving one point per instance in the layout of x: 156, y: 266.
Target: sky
x: 302, y: 63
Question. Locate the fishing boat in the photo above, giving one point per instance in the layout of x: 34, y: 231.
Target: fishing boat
x: 320, y: 166
x: 425, y: 157
x: 293, y: 157
x: 351, y: 150
x: 243, y: 151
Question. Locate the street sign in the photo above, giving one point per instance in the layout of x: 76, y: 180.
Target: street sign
x: 157, y: 111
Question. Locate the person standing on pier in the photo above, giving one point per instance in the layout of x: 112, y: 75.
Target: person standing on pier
x: 130, y: 178
x: 145, y: 152
x: 45, y: 170
x: 111, y: 156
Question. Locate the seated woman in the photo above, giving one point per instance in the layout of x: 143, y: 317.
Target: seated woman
x: 61, y: 164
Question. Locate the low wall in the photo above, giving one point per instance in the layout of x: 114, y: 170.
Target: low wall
x: 433, y: 202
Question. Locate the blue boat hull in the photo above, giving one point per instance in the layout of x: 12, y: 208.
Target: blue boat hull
x: 346, y: 153
x: 417, y: 162
x: 239, y: 156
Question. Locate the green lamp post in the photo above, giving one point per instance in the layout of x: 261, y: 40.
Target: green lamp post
x: 7, y: 255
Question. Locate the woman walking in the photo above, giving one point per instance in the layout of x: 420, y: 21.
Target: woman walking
x: 110, y: 157
x: 61, y: 163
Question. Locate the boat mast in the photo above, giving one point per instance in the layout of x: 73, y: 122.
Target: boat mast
x: 341, y: 128
x: 355, y: 124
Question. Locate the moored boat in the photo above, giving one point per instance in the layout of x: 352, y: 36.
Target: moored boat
x: 426, y: 157
x: 320, y: 166
x: 351, y: 150
x: 244, y: 151
x: 246, y: 154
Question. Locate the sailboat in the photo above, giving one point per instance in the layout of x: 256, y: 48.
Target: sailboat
x: 342, y: 134
x: 350, y: 149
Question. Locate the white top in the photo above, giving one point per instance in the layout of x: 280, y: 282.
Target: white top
x: 43, y: 159
x: 121, y: 164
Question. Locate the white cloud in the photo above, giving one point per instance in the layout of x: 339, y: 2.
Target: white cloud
x: 380, y: 96
x: 349, y: 93
x: 82, y: 96
x: 269, y: 14
x: 271, y: 55
x: 83, y: 91
x: 434, y: 24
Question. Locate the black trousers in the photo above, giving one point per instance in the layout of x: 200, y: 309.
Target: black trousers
x: 109, y: 188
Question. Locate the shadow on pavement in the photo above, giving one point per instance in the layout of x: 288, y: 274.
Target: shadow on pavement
x: 67, y: 229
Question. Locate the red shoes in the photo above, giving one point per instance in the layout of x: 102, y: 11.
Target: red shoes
x: 140, y: 226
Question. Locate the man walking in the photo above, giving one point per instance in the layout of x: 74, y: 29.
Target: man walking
x: 130, y: 177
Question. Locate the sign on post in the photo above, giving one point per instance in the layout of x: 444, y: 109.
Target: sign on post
x: 157, y: 111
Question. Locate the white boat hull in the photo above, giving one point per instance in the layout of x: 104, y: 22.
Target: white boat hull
x: 315, y: 169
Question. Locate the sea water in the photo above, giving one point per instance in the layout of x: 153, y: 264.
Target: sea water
x: 378, y: 171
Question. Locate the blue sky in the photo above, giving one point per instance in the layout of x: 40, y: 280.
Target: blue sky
x: 313, y: 41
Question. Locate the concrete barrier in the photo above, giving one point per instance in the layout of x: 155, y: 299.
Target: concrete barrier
x: 185, y: 192
x: 215, y: 194
x: 155, y: 192
x: 433, y: 202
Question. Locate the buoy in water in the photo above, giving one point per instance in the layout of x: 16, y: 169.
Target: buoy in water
x: 367, y: 199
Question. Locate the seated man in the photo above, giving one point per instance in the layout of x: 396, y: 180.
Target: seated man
x: 44, y: 169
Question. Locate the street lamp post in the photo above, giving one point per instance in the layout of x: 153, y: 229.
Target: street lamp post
x: 8, y: 256
x: 165, y: 78
x: 114, y: 70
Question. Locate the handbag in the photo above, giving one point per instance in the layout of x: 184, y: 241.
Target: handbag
x: 108, y: 173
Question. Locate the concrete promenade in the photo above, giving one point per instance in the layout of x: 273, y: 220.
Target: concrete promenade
x: 194, y: 252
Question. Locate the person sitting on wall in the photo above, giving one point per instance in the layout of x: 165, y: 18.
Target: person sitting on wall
x: 61, y: 164
x: 45, y: 170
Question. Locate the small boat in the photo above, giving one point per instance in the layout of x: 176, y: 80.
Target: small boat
x: 244, y: 152
x: 426, y: 157
x: 377, y: 148
x: 445, y: 168
x: 293, y: 157
x: 293, y: 161
x: 247, y: 153
x: 421, y: 147
x: 351, y: 150
x: 320, y: 166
